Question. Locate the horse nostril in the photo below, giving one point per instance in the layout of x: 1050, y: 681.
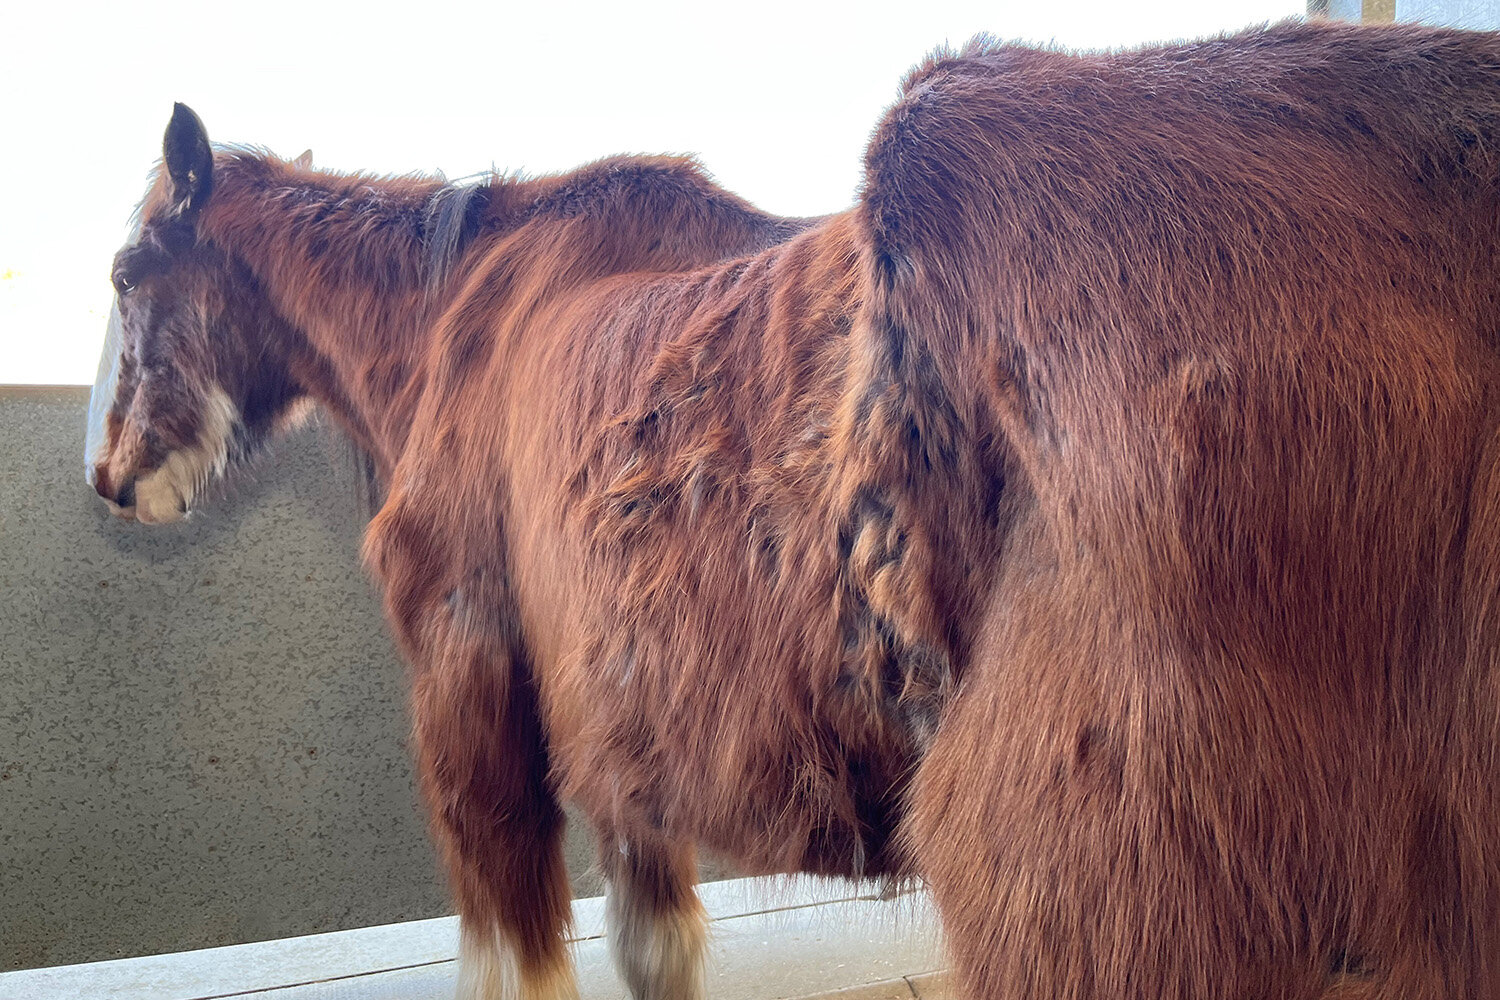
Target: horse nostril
x: 100, y: 480
x: 126, y: 496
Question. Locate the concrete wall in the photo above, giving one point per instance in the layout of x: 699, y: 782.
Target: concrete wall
x: 203, y: 734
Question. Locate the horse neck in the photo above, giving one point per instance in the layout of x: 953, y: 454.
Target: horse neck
x: 343, y: 260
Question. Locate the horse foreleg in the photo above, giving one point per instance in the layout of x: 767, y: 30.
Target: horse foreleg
x: 658, y: 932
x: 484, y: 774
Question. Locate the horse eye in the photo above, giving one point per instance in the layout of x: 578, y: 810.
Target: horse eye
x: 122, y: 284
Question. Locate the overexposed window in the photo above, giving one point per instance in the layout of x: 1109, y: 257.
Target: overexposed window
x: 776, y: 98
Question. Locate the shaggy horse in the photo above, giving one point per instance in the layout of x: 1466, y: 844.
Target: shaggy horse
x: 1100, y: 521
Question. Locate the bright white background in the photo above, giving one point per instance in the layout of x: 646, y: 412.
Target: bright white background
x: 776, y: 98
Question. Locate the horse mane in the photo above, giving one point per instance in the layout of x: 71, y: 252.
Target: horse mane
x: 454, y: 217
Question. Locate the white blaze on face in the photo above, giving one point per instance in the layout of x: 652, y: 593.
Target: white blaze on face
x: 162, y: 495
x: 106, y: 377
x: 102, y: 398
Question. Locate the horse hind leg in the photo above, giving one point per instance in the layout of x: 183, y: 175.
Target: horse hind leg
x: 484, y: 774
x: 658, y: 932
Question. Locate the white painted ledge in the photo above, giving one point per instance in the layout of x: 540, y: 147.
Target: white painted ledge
x: 771, y: 939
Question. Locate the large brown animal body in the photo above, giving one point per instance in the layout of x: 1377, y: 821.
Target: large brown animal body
x: 1101, y: 521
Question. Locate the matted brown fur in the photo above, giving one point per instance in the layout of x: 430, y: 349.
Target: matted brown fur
x: 1100, y: 521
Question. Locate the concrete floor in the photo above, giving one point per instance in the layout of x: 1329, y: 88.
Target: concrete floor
x: 771, y: 939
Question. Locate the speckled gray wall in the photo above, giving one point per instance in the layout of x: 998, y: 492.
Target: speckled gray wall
x: 202, y: 726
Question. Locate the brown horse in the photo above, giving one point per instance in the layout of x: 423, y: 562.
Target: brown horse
x: 1101, y: 521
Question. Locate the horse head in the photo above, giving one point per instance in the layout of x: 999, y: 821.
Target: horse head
x: 183, y: 392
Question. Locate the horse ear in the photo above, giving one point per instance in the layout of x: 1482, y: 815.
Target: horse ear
x: 303, y: 162
x: 189, y: 160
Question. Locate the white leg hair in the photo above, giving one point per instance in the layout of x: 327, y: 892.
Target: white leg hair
x: 489, y: 968
x: 658, y: 952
